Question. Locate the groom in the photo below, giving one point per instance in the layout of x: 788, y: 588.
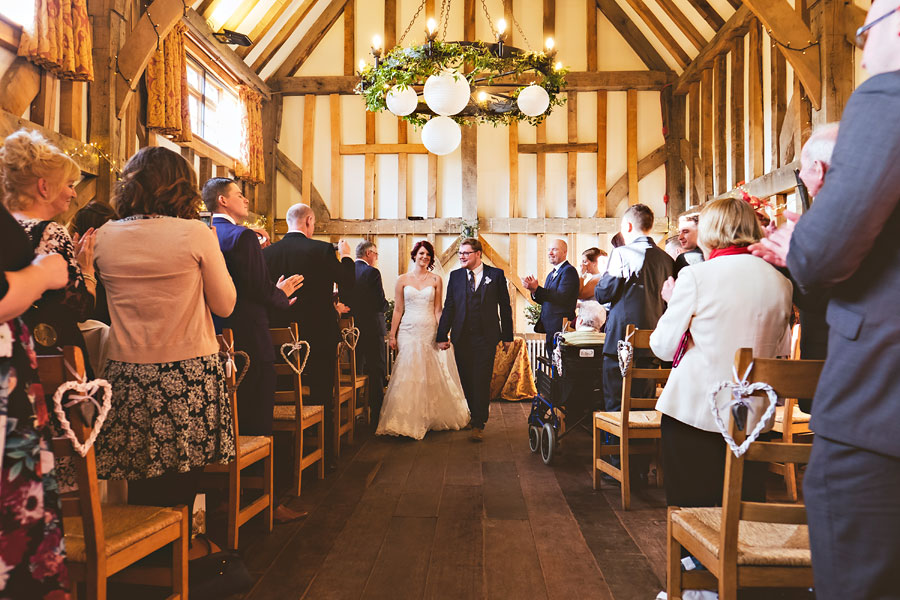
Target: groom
x: 477, y: 314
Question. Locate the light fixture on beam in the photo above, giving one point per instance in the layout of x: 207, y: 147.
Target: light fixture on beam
x: 226, y: 36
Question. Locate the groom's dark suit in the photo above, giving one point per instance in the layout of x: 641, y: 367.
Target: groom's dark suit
x: 476, y: 320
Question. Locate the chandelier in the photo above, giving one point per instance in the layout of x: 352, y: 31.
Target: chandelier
x: 440, y: 85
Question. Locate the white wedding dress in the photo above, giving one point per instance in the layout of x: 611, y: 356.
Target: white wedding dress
x: 424, y: 393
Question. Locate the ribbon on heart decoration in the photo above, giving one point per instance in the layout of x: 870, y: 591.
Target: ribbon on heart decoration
x: 294, y: 347
x: 228, y: 357
x: 350, y: 336
x: 625, y: 352
x: 86, y: 390
x: 741, y: 393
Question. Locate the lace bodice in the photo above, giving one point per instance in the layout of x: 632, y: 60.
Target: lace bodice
x: 418, y: 311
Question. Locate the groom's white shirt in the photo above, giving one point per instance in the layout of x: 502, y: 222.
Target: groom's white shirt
x: 479, y: 272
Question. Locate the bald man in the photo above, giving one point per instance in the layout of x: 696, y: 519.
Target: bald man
x: 849, y: 244
x: 558, y: 295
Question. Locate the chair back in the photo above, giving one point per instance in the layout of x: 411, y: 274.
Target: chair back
x: 53, y: 371
x: 789, y: 378
x: 293, y: 394
x: 348, y: 323
x: 226, y: 345
x: 640, y: 340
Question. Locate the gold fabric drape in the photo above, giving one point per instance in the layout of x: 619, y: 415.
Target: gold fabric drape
x: 512, y: 378
x: 60, y: 39
x: 168, y: 109
x: 249, y: 165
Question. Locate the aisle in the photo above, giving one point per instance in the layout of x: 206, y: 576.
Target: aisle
x: 447, y: 518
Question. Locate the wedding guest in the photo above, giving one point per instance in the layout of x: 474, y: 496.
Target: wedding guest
x: 39, y: 185
x: 89, y: 217
x: 617, y: 240
x: 687, y: 236
x: 368, y: 305
x: 631, y: 284
x: 558, y: 295
x: 591, y: 271
x: 848, y: 244
x: 164, y: 275
x: 314, y: 311
x: 733, y: 300
x: 32, y: 552
x: 672, y: 246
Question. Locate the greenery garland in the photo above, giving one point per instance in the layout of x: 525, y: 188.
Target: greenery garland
x: 412, y: 66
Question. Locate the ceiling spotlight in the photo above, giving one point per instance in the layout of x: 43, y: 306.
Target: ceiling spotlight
x: 226, y: 36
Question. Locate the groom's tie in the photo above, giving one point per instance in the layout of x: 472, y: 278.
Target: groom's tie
x: 471, y: 281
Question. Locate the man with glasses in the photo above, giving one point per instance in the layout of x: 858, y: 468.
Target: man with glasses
x: 849, y: 244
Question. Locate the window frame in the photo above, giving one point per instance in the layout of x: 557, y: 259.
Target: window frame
x: 199, y: 60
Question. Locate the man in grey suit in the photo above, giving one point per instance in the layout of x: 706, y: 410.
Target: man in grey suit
x: 849, y: 243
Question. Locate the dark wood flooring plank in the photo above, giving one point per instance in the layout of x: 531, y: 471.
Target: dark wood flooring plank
x: 456, y: 569
x: 502, y: 493
x: 422, y: 492
x: 402, y: 565
x: 463, y: 461
x: 462, y: 502
x: 511, y: 565
x: 645, y: 526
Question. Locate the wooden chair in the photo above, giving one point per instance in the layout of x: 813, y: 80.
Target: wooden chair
x: 637, y: 420
x: 349, y: 377
x: 790, y: 429
x: 344, y: 409
x: 748, y: 544
x: 249, y: 450
x: 291, y: 415
x: 102, y: 540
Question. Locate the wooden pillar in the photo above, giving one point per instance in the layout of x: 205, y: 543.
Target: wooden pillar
x: 71, y: 107
x: 337, y: 161
x: 402, y: 171
x: 706, y: 133
x: 572, y: 157
x: 265, y: 197
x: 602, y: 210
x: 309, y: 121
x: 673, y: 110
x: 541, y: 171
x: 631, y: 143
x: 721, y: 109
x: 779, y: 103
x: 737, y: 111
x: 43, y: 107
x: 469, y: 151
x: 514, y: 170
x: 369, y: 172
x: 350, y: 38
x: 591, y: 37
x: 755, y: 100
x: 390, y: 24
x: 698, y: 192
x: 837, y: 60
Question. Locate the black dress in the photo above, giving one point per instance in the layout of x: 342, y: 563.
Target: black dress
x: 32, y: 558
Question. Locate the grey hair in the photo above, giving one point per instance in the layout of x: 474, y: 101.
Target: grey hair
x: 820, y: 144
x: 297, y: 212
x: 592, y: 314
x: 363, y: 247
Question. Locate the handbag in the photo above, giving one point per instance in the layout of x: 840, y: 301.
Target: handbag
x: 682, y: 348
x: 218, y: 575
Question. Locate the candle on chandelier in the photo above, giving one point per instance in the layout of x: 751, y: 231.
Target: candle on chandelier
x: 501, y: 26
x: 431, y: 25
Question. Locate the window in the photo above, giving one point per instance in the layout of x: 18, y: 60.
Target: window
x: 21, y: 13
x: 215, y: 110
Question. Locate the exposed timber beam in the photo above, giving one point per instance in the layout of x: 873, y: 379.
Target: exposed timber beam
x: 779, y: 181
x: 263, y: 26
x: 224, y: 54
x: 294, y: 175
x: 312, y: 38
x: 19, y: 86
x: 683, y: 23
x: 787, y: 26
x: 709, y: 14
x: 90, y: 163
x: 661, y: 32
x: 737, y: 25
x: 579, y: 81
x: 498, y: 261
x: 155, y: 24
x: 286, y: 31
x: 646, y: 165
x: 628, y: 30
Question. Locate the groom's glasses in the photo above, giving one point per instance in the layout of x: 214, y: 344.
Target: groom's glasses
x: 464, y: 254
x: 862, y: 34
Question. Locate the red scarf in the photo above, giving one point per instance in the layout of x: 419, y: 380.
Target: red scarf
x: 728, y: 251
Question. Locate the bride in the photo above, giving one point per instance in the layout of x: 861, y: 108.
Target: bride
x: 425, y: 392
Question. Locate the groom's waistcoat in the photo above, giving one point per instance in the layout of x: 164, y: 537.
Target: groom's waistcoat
x: 472, y: 325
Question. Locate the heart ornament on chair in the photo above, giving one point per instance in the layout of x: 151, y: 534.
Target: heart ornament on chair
x: 86, y: 391
x: 350, y: 336
x: 292, y: 347
x: 230, y: 365
x: 626, y: 353
x: 741, y: 393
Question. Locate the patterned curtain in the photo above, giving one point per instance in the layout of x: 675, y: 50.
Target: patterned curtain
x: 168, y: 110
x: 249, y: 165
x: 60, y: 39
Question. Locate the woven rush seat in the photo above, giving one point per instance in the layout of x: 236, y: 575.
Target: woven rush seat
x: 123, y: 526
x: 251, y: 443
x: 638, y: 419
x: 799, y: 415
x: 287, y: 412
x: 759, y: 543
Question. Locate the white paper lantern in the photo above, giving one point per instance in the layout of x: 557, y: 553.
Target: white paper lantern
x: 447, y: 93
x: 533, y: 100
x: 401, y: 102
x: 441, y: 135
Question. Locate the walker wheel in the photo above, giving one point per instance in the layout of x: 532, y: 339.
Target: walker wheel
x: 548, y: 443
x: 534, y: 438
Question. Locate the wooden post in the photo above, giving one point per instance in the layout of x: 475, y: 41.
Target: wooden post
x: 337, y: 162
x: 541, y: 172
x: 43, y: 108
x: 402, y: 170
x: 755, y: 98
x: 431, y: 209
x: 706, y: 133
x: 369, y: 173
x: 779, y: 103
x: 837, y: 60
x: 737, y: 111
x: 572, y: 157
x: 265, y: 197
x: 721, y: 109
x: 601, y: 153
x: 591, y: 37
x: 698, y: 193
x: 309, y: 121
x: 632, y: 151
x: 350, y: 38
x: 390, y: 24
x: 71, y: 106
x: 514, y: 170
x: 469, y: 151
x: 673, y: 108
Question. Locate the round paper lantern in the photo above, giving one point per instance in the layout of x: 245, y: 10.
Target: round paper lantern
x: 447, y: 93
x: 441, y: 135
x: 533, y: 100
x: 401, y: 102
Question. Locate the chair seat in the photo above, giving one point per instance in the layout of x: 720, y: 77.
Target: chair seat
x: 799, y: 415
x: 761, y: 544
x: 123, y: 525
x: 288, y: 412
x: 252, y: 443
x: 637, y: 419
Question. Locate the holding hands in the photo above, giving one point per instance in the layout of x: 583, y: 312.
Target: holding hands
x: 444, y: 345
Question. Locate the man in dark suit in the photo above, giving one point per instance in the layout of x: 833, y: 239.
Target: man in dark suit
x: 368, y: 305
x: 477, y: 314
x: 849, y: 243
x: 632, y: 283
x: 687, y: 237
x: 559, y: 294
x: 314, y: 311
x: 256, y: 294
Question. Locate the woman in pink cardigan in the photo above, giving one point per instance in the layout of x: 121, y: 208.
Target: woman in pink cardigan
x: 163, y: 273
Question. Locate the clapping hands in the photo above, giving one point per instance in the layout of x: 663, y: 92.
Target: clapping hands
x: 667, y: 289
x: 290, y: 285
x: 84, y: 250
x: 530, y: 283
x: 774, y: 248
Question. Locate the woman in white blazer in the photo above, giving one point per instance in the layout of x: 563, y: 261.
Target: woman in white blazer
x: 733, y: 300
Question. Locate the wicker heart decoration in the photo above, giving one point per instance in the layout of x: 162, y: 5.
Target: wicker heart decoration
x: 86, y: 389
x: 292, y: 347
x: 351, y: 337
x: 741, y: 392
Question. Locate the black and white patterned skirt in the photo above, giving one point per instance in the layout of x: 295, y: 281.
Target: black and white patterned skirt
x: 165, y: 418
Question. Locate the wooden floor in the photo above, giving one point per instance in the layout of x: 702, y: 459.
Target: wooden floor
x: 448, y: 518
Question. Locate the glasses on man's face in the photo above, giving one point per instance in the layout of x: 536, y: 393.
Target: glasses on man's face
x: 464, y: 254
x: 862, y: 34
